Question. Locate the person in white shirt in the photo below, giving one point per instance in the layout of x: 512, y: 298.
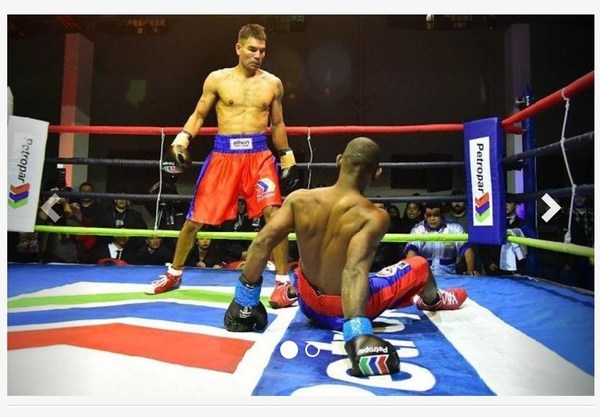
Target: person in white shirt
x: 442, y: 256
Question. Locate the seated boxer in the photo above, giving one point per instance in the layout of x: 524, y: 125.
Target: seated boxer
x: 241, y: 163
x: 338, y: 231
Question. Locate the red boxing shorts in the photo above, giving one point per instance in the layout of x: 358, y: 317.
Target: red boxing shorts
x: 393, y: 287
x: 240, y: 165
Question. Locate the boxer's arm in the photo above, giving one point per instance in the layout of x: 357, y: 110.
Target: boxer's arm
x: 203, y: 107
x: 289, y: 177
x: 278, y: 132
x: 273, y: 232
x: 360, y: 255
x: 364, y: 348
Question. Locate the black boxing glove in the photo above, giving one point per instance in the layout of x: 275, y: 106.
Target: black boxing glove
x: 178, y: 159
x: 369, y: 354
x: 290, y: 174
x: 246, y: 313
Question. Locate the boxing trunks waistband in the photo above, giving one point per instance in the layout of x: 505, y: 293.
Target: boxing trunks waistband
x: 241, y: 143
x: 329, y: 305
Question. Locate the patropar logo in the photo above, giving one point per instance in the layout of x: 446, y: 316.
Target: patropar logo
x: 481, y: 181
x: 17, y: 196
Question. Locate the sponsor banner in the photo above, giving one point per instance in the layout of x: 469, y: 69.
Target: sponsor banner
x: 484, y: 147
x: 26, y: 152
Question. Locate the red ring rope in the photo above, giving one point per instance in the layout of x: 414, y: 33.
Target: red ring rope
x: 553, y: 99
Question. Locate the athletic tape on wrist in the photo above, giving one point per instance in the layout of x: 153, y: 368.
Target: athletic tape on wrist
x: 247, y: 294
x: 286, y: 158
x: 182, y: 138
x: 357, y: 326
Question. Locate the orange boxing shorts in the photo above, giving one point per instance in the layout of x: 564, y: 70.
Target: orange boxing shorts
x: 393, y: 287
x: 240, y: 165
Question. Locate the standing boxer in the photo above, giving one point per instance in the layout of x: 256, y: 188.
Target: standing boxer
x: 338, y: 231
x: 247, y: 101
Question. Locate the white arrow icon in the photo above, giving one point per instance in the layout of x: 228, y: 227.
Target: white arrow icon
x: 47, y: 207
x: 554, y: 207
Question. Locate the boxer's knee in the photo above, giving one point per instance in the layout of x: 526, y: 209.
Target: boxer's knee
x: 269, y: 212
x: 191, y: 227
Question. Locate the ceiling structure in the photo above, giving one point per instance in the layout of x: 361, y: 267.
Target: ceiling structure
x: 21, y: 26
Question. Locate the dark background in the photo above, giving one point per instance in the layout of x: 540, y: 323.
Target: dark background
x: 336, y: 70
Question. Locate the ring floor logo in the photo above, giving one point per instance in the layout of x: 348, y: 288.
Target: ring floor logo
x: 319, y: 364
x: 83, y: 325
x: 17, y: 197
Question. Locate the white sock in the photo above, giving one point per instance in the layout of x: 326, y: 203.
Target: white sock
x: 174, y: 272
x: 282, y: 278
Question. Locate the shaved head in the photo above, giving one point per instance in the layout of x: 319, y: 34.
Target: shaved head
x: 362, y: 152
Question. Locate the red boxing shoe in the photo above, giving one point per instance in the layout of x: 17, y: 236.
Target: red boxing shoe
x: 280, y: 297
x: 167, y: 282
x: 450, y: 299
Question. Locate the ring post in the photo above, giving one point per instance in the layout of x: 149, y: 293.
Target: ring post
x: 529, y: 177
x: 486, y: 207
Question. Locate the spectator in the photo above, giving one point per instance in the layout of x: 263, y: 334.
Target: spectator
x: 24, y: 247
x: 204, y: 255
x: 118, y: 251
x: 388, y: 253
x: 60, y: 247
x: 234, y: 250
x: 119, y: 215
x: 493, y: 262
x: 154, y: 252
x: 413, y: 214
x: 394, y: 213
x: 92, y: 211
x: 458, y: 211
x: 562, y: 267
x: 442, y: 256
x: 171, y: 214
x: 583, y: 213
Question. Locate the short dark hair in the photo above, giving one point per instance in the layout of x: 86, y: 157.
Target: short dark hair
x: 434, y: 205
x: 89, y: 184
x: 252, y: 30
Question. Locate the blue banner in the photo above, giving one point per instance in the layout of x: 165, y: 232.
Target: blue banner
x: 486, y: 201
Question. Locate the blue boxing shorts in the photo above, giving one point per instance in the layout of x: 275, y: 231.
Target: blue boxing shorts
x: 240, y: 165
x: 394, y: 286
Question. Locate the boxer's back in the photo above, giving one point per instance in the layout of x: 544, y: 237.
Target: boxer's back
x: 325, y: 221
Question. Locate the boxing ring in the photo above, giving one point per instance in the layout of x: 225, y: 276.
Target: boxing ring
x: 87, y: 330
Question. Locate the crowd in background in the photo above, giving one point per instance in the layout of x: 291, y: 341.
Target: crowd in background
x: 121, y: 249
x: 417, y: 218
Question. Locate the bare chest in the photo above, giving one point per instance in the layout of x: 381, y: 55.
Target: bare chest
x: 250, y: 94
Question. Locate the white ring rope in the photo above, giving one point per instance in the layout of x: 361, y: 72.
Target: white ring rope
x: 567, y: 237
x: 310, y: 159
x: 157, y: 214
